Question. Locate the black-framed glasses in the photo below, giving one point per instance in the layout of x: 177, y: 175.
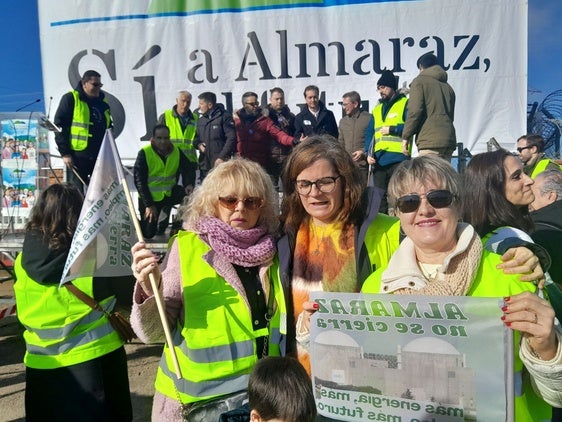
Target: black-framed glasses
x: 521, y: 149
x: 324, y: 185
x: 256, y: 104
x: 96, y: 84
x: 437, y: 199
x: 251, y: 203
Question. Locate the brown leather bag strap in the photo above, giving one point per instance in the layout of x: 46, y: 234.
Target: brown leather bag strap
x: 117, y: 321
x: 90, y: 301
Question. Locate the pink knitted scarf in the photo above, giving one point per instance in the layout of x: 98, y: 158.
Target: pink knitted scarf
x: 247, y: 248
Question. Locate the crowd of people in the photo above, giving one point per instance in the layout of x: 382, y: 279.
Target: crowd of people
x: 23, y: 150
x: 357, y: 214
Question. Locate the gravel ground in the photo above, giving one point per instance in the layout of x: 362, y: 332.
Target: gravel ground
x: 142, y: 361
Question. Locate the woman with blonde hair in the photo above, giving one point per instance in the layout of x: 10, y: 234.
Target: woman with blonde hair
x: 223, y: 297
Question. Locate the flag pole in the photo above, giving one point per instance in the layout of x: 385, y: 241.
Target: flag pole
x: 78, y: 176
x: 153, y: 284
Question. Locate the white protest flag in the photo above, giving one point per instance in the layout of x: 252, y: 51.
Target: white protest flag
x: 101, y: 245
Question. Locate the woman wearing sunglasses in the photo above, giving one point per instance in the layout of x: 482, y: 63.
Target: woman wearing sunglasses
x: 333, y: 236
x: 220, y: 284
x: 442, y: 256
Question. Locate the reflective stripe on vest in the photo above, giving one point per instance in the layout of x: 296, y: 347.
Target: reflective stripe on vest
x: 161, y: 176
x: 394, y: 117
x: 57, y: 333
x: 73, y: 342
x: 61, y: 330
x: 80, y: 126
x: 182, y: 139
x: 241, y: 349
x: 211, y: 388
x: 518, y: 383
x: 216, y: 346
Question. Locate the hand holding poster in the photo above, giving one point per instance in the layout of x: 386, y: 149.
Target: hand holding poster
x: 410, y: 358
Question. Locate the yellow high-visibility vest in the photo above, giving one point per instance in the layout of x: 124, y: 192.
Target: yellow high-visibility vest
x: 60, y: 329
x: 80, y: 127
x: 182, y: 139
x: 216, y: 345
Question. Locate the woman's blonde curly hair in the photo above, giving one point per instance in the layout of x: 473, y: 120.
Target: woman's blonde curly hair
x: 238, y: 176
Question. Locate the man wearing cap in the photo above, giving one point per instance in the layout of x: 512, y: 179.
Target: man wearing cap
x: 352, y: 128
x: 83, y: 116
x: 384, y: 136
x: 431, y: 110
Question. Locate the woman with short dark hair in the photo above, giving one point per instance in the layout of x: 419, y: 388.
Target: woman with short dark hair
x: 442, y: 256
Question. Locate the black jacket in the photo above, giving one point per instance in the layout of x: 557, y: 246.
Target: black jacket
x: 307, y: 124
x: 45, y: 266
x: 216, y: 131
x: 548, y: 233
x: 186, y: 170
x: 63, y: 119
x: 284, y: 119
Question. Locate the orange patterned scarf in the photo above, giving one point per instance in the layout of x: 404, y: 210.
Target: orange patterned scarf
x: 324, y: 261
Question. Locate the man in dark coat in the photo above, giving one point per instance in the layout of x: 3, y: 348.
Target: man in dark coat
x: 83, y: 115
x: 216, y: 137
x: 431, y: 111
x: 315, y: 118
x: 282, y: 117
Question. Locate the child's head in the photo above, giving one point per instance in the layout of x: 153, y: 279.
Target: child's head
x: 280, y: 390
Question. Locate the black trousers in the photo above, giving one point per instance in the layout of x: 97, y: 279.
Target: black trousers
x: 163, y: 210
x: 96, y: 390
x: 381, y: 176
x: 83, y: 168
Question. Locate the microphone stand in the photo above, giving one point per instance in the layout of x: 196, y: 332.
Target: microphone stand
x: 38, y: 100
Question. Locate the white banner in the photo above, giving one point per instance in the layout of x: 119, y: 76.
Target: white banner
x: 148, y: 50
x: 411, y: 358
x: 101, y: 245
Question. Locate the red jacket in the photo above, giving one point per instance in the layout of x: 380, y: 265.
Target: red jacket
x: 255, y: 137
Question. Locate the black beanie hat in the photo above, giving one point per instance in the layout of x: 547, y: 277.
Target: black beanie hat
x: 388, y: 79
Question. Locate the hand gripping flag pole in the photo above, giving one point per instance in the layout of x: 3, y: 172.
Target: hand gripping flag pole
x: 104, y: 224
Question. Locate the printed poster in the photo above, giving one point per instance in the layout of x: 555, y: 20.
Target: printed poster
x: 410, y: 358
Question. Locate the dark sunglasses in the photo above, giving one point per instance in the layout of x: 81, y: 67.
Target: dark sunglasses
x: 251, y: 203
x: 436, y: 198
x: 521, y: 149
